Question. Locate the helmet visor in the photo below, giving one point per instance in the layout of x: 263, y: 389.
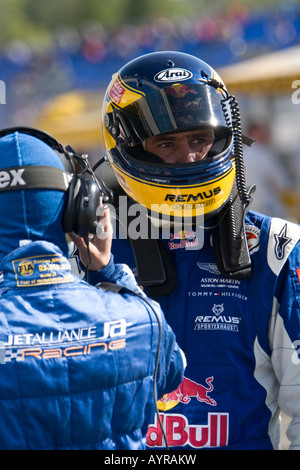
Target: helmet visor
x: 173, y: 108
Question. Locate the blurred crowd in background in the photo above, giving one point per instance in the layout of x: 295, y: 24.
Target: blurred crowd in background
x: 83, y: 60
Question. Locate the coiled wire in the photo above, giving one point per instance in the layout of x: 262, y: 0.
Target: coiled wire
x: 238, y: 150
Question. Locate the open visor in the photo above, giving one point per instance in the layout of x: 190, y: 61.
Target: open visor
x: 170, y: 109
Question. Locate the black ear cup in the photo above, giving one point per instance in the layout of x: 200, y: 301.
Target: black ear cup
x: 80, y: 213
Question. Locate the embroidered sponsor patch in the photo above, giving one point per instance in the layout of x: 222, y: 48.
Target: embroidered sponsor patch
x: 282, y: 240
x: 253, y: 238
x: 41, y: 270
x: 183, y: 239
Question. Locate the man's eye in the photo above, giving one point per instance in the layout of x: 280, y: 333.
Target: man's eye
x: 165, y: 144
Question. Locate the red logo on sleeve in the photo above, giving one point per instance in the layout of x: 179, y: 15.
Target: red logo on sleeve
x: 298, y: 274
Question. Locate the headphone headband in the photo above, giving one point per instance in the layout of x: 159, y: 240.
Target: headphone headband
x: 34, y: 177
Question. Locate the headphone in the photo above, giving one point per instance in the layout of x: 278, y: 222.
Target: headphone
x: 84, y: 189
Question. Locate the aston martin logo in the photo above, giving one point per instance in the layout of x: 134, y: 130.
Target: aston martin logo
x: 210, y: 267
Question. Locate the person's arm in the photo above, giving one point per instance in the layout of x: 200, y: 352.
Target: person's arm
x: 101, y: 266
x: 172, y: 362
x: 98, y: 254
x: 285, y: 345
x: 99, y: 261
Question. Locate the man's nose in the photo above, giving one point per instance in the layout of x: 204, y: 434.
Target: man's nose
x: 188, y: 154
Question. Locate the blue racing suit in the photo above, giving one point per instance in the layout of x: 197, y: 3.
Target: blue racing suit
x: 240, y: 338
x: 76, y: 362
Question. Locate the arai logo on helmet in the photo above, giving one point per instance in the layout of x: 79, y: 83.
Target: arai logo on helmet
x: 173, y: 75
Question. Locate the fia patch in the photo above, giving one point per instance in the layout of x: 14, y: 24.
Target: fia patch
x: 42, y: 270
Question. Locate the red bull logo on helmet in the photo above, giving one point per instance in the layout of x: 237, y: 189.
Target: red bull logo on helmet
x: 179, y: 91
x: 188, y: 390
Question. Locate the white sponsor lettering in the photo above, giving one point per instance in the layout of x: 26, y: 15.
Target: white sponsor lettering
x: 11, y: 178
x: 173, y: 75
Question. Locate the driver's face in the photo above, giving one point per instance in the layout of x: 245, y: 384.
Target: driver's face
x: 181, y: 147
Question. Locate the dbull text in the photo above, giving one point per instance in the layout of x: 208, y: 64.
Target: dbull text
x: 179, y: 432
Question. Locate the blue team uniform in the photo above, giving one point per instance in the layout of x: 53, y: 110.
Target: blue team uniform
x: 240, y: 338
x: 77, y: 362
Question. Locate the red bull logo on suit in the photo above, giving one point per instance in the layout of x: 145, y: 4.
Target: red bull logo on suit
x: 180, y: 433
x: 187, y: 390
x: 177, y: 428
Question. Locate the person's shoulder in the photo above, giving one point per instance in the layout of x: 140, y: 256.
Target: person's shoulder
x: 271, y: 224
x: 274, y: 239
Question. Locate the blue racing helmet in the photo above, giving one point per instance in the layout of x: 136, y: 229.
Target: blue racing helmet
x: 169, y: 92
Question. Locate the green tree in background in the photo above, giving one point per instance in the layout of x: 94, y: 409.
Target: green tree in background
x: 36, y: 20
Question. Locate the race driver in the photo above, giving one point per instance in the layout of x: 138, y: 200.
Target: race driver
x: 228, y: 281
